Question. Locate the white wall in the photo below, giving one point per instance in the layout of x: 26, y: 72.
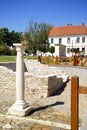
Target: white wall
x: 72, y: 44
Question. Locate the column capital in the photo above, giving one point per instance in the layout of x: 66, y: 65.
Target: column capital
x: 19, y: 46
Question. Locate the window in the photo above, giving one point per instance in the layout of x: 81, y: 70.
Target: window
x: 83, y: 39
x: 83, y: 49
x: 51, y: 40
x: 78, y: 39
x: 68, y: 50
x: 68, y: 40
x: 77, y: 49
x: 60, y: 40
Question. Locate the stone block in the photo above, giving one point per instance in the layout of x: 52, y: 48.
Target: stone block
x: 45, y: 86
x: 54, y: 84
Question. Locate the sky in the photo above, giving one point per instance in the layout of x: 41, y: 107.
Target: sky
x: 16, y: 14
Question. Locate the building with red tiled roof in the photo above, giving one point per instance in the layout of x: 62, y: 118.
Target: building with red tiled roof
x: 69, y: 36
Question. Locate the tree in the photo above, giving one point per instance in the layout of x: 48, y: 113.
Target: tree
x: 51, y: 49
x: 4, y: 50
x: 4, y: 32
x: 9, y: 38
x: 14, y: 37
x: 74, y: 50
x: 37, y: 36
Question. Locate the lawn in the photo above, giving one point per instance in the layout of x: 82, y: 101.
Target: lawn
x: 13, y: 58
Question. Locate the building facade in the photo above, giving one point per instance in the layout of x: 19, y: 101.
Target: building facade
x: 72, y: 37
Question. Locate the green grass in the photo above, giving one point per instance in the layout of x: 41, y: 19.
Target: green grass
x: 30, y: 57
x: 7, y: 58
x: 13, y: 58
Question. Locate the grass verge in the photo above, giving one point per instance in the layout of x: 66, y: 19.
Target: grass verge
x: 13, y: 58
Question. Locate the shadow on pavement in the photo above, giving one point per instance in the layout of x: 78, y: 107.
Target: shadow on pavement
x: 45, y: 107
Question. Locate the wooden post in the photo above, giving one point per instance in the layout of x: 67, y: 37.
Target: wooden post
x: 39, y: 58
x: 57, y: 60
x: 74, y: 102
x: 75, y: 60
x: 74, y: 63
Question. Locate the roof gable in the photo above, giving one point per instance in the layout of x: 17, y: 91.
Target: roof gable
x: 68, y: 30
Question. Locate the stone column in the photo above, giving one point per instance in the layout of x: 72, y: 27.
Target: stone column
x: 20, y: 107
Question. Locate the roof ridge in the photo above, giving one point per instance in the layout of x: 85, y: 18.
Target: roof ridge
x: 68, y: 30
x: 71, y: 25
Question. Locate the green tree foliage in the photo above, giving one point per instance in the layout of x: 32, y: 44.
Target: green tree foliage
x: 37, y: 37
x: 3, y: 35
x: 4, y: 50
x: 51, y: 49
x: 9, y: 38
x: 14, y: 37
x: 74, y: 49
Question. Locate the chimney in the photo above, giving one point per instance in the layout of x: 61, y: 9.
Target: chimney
x: 69, y: 24
x: 83, y: 24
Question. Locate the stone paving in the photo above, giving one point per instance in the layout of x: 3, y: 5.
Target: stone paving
x: 17, y: 124
x: 48, y: 113
x: 43, y: 117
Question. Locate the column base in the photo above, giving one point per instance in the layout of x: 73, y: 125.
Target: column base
x: 19, y: 110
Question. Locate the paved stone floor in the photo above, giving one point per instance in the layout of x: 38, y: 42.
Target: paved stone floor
x: 43, y: 117
x: 27, y: 123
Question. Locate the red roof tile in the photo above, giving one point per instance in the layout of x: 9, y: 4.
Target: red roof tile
x: 68, y: 30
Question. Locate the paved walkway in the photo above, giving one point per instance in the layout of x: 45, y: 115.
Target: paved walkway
x: 48, y: 114
x: 44, y: 116
x: 28, y: 123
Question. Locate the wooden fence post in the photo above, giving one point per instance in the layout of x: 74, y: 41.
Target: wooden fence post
x: 74, y: 102
x: 75, y: 60
x: 57, y: 60
x: 39, y: 58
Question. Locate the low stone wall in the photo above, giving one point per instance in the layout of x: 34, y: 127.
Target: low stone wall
x: 44, y: 87
x: 40, y: 80
x: 45, y: 81
x: 37, y: 69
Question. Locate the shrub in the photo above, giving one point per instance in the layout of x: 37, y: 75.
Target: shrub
x: 13, y: 52
x: 4, y: 50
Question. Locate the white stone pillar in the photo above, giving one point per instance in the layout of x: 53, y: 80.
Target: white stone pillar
x: 20, y: 107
